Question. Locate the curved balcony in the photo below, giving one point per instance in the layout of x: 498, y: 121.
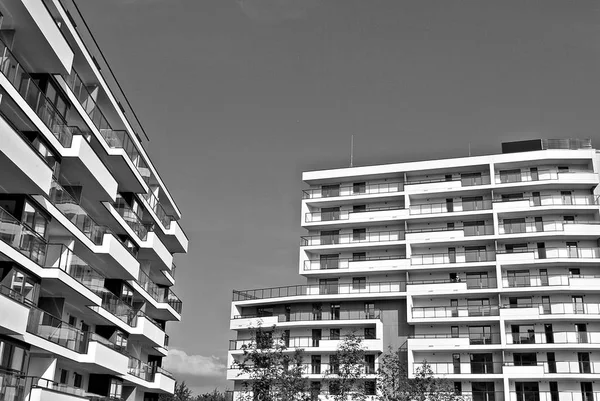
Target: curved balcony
x: 352, y: 238
x: 332, y: 191
x: 312, y: 290
x: 445, y: 207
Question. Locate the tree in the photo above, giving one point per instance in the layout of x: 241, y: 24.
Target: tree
x: 182, y: 393
x: 346, y: 373
x: 394, y: 385
x: 214, y: 396
x: 274, y: 373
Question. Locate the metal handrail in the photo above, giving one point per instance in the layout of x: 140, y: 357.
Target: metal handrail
x: 371, y: 236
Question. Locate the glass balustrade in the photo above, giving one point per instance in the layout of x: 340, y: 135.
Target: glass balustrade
x: 20, y: 237
x: 132, y: 219
x: 44, y: 325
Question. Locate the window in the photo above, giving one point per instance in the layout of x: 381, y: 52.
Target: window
x: 264, y: 312
x: 516, y: 248
x: 518, y: 278
x: 525, y: 359
x: 64, y: 376
x: 478, y: 307
x: 584, y: 362
x: 335, y: 311
x: 472, y: 203
x: 328, y: 191
x: 359, y: 234
x: 369, y: 310
x: 334, y: 334
x: 482, y: 363
x: 316, y: 337
x: 330, y: 237
x: 116, y: 387
x: 519, y: 302
x: 334, y: 364
x: 578, y: 306
x: 331, y: 261
x: 120, y: 339
x: 512, y: 197
x: 510, y: 175
x: 22, y: 284
x: 563, y: 169
x: 127, y: 294
x: 370, y: 333
x: 317, y: 310
x: 33, y: 218
x: 454, y: 333
x: 78, y: 381
x: 523, y: 334
x: 359, y: 187
x: 574, y: 271
x: 357, y: 256
x: 328, y: 286
x: 315, y: 364
x: 12, y: 356
x: 330, y: 213
x: 359, y: 208
x: 480, y: 335
x: 514, y: 226
x: 370, y: 387
x: 370, y: 364
x: 569, y: 219
x: 359, y: 283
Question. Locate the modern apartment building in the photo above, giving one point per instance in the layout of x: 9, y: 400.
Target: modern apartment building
x: 87, y: 227
x: 486, y: 267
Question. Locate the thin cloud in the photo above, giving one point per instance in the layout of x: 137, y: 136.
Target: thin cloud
x: 274, y: 11
x: 180, y: 362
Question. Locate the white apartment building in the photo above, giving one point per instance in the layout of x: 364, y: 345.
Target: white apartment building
x: 87, y: 227
x: 486, y: 267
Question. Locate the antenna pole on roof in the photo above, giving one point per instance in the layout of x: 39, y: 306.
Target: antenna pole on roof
x: 469, y: 148
x: 352, y: 151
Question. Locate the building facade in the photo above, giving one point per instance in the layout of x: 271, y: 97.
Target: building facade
x: 486, y: 267
x: 87, y: 227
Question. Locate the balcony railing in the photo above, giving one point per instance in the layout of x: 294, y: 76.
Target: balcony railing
x: 538, y: 175
x: 314, y: 217
x: 541, y: 226
x: 563, y: 367
x: 322, y: 315
x: 43, y: 107
x: 352, y: 238
x: 454, y: 311
x: 163, y: 371
x: 556, y: 253
x: 140, y: 369
x: 326, y: 368
x: 467, y: 181
x: 114, y: 139
x: 444, y: 207
x: 21, y: 237
x: 552, y: 396
x: 174, y: 301
x: 69, y: 207
x: 15, y: 386
x: 61, y: 257
x: 456, y: 257
x: 118, y: 308
x: 321, y: 289
x: 559, y: 308
x: 154, y: 203
x: 455, y: 368
x: 554, y: 200
x: 532, y: 280
x: 157, y: 293
x: 289, y: 342
x: 553, y: 337
x: 474, y: 338
x: 132, y: 219
x: 50, y: 328
x: 472, y: 283
x: 344, y: 263
x: 352, y: 190
x: 469, y: 231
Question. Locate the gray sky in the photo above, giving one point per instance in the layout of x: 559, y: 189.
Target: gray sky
x: 239, y: 97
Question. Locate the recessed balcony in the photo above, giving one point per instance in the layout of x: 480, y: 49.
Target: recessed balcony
x: 452, y: 340
x: 526, y: 202
x: 343, y: 216
x: 349, y: 316
x: 571, y: 227
x: 314, y: 290
x: 531, y: 255
x: 526, y: 281
x: 435, y: 234
x: 526, y: 310
x: 451, y: 285
x: 512, y: 177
